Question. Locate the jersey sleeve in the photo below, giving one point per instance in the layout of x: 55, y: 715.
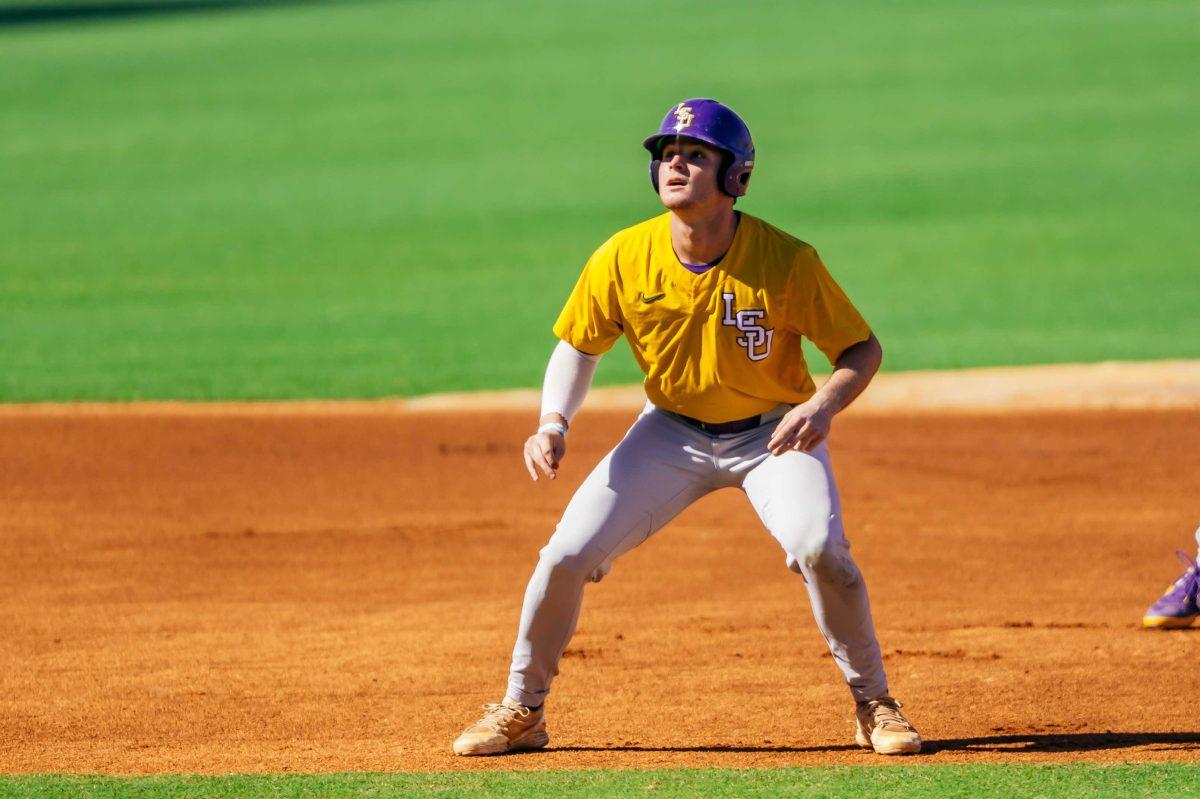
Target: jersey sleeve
x: 592, y: 321
x: 820, y: 311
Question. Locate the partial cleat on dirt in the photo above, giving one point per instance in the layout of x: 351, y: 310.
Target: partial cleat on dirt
x: 883, y: 728
x: 505, y: 727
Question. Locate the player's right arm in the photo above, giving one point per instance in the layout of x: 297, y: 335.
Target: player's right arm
x: 588, y: 326
x: 568, y: 378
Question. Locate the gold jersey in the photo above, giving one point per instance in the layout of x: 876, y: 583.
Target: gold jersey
x: 720, y: 345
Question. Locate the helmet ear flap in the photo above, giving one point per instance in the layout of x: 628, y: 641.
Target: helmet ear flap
x: 655, y: 163
x: 726, y: 178
x: 735, y: 175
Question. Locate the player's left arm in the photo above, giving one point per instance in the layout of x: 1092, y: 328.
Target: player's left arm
x: 807, y: 425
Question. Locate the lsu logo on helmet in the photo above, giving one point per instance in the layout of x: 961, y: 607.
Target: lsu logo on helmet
x: 683, y: 117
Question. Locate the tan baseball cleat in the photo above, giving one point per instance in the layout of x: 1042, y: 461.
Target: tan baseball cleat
x: 506, y: 727
x: 882, y: 727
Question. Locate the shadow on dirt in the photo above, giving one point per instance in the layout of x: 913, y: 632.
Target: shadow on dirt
x: 50, y: 13
x: 716, y: 748
x: 1066, y: 742
x: 1016, y: 744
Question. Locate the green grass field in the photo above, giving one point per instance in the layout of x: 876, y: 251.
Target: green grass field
x: 389, y: 198
x: 968, y: 782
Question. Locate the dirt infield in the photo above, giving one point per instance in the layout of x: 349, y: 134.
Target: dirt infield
x: 338, y: 592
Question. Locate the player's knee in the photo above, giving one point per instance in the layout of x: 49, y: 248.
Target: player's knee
x: 831, y: 565
x: 834, y: 565
x: 817, y: 547
x: 806, y: 538
x: 574, y: 563
x: 808, y: 551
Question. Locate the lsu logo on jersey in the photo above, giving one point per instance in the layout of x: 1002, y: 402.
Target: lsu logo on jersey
x: 757, y: 340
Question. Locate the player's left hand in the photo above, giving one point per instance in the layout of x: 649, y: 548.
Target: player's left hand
x: 544, y: 451
x: 803, y: 428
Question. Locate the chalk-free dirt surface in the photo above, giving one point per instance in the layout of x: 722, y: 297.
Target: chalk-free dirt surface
x: 247, y: 592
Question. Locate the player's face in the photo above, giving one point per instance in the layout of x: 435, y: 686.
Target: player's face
x: 687, y: 175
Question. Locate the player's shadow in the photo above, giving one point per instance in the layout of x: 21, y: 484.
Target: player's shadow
x: 1037, y: 743
x: 714, y: 748
x: 1043, y: 743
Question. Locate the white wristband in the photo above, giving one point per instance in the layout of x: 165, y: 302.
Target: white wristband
x: 559, y: 427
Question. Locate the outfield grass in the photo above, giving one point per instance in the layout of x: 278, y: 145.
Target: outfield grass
x: 910, y: 782
x: 367, y: 199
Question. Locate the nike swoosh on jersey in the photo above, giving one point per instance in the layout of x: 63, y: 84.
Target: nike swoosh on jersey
x: 649, y: 300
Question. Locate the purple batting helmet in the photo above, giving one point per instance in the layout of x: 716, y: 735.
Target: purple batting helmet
x: 716, y: 125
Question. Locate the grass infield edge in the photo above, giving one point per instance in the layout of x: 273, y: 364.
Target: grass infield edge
x: 984, y: 780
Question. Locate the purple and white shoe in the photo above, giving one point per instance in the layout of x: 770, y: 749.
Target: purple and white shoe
x: 1177, y: 607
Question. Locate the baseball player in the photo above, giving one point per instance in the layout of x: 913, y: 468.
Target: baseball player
x: 714, y: 304
x: 1178, y: 606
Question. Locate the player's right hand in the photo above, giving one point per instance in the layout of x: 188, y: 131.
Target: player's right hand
x: 544, y: 451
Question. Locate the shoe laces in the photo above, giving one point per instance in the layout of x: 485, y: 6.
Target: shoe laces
x: 1189, y: 583
x: 1186, y: 559
x: 885, y: 713
x: 498, y: 716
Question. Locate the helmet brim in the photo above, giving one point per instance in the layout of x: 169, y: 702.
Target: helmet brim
x: 655, y: 143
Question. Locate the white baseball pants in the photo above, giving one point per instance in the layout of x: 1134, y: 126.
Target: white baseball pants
x: 661, y: 466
